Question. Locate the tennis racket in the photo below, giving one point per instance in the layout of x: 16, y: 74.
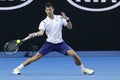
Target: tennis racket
x: 13, y: 46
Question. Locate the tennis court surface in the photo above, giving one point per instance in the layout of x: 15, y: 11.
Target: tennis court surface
x: 62, y: 67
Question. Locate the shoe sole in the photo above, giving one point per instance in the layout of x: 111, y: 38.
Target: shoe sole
x: 16, y: 74
x: 88, y: 74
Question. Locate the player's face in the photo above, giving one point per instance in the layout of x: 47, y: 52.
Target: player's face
x: 49, y: 11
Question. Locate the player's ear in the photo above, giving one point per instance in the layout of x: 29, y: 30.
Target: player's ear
x: 53, y: 9
x: 45, y: 10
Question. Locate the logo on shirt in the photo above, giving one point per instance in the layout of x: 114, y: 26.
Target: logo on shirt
x: 13, y: 4
x: 95, y: 5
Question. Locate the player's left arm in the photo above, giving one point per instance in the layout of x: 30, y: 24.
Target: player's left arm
x: 69, y: 24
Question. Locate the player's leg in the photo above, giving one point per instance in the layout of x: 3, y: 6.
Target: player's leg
x: 32, y: 59
x: 67, y: 50
x: 45, y: 49
x: 75, y: 57
x: 79, y: 62
x: 27, y: 62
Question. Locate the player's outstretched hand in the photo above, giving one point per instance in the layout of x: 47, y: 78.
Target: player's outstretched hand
x: 31, y: 35
x: 63, y: 15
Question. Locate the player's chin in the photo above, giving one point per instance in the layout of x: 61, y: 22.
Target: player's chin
x: 49, y: 14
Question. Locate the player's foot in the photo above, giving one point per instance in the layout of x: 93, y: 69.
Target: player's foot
x: 16, y: 71
x: 88, y: 71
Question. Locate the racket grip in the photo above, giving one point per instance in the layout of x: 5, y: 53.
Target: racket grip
x: 26, y: 38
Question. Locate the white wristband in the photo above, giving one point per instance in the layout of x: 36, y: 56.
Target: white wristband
x: 67, y: 18
x: 35, y: 34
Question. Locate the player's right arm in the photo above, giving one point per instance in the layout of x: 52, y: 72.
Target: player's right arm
x: 39, y: 33
x: 41, y: 30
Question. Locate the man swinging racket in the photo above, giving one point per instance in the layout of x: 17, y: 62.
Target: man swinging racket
x: 52, y: 25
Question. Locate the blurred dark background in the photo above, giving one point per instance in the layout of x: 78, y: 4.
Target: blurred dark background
x: 92, y: 30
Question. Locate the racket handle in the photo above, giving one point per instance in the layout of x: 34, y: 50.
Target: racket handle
x: 26, y: 38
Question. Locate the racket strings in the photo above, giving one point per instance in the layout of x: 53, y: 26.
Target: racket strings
x: 11, y: 47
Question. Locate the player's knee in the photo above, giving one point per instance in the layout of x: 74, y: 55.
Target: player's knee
x: 71, y: 53
x: 38, y: 55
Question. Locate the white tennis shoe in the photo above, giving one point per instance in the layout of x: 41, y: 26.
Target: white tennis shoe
x: 16, y: 71
x: 87, y: 71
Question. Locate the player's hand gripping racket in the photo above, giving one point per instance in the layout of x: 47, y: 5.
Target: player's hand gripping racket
x: 13, y: 46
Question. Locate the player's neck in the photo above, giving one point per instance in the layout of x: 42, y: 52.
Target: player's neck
x: 51, y: 16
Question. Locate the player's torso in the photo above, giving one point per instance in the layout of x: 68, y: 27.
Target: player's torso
x: 53, y: 29
x: 53, y: 24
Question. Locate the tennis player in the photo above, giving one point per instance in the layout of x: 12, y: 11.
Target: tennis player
x: 52, y: 25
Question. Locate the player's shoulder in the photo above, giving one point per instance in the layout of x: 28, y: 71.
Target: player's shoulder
x: 58, y: 16
x: 43, y: 21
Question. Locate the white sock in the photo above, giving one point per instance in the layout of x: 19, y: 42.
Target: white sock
x: 82, y: 66
x: 20, y: 66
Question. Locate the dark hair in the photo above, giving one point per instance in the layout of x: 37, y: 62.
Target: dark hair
x: 49, y: 5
